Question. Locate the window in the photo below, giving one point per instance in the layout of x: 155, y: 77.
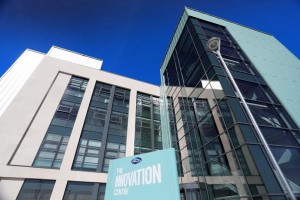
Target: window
x: 113, y: 151
x: 229, y: 51
x: 147, y: 129
x: 202, y: 129
x: 87, y: 155
x: 278, y: 136
x: 75, y: 89
x: 107, y: 115
x: 238, y: 65
x: 117, y: 127
x: 289, y: 160
x: 53, y: 147
x: 174, y: 135
x: 51, y: 151
x: 200, y: 135
x: 211, y: 33
x: 224, y: 190
x: 95, y: 119
x: 84, y: 191
x: 266, y: 115
x: 209, y: 25
x: 36, y: 190
x: 252, y: 91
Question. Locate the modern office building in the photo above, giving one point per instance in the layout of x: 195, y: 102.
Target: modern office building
x: 62, y: 118
x: 220, y: 152
x: 65, y: 120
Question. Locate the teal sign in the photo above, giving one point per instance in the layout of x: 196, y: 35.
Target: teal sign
x: 146, y: 176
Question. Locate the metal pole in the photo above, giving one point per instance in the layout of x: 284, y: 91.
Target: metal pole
x: 260, y: 135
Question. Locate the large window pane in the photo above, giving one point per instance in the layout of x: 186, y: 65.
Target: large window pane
x: 117, y: 127
x: 279, y: 136
x: 78, y: 191
x: 147, y: 129
x: 36, y: 190
x: 238, y: 65
x: 225, y: 190
x: 229, y: 51
x: 266, y: 115
x: 87, y: 155
x: 84, y: 191
x: 54, y: 145
x: 51, y: 151
x: 252, y: 91
x: 289, y: 161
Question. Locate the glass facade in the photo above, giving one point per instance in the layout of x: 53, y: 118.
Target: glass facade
x: 117, y: 128
x: 105, y: 129
x: 84, y: 190
x: 147, y: 129
x: 33, y: 189
x: 54, y: 145
x: 219, y: 154
x: 173, y: 132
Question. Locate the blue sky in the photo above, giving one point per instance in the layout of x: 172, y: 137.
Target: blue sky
x: 131, y: 36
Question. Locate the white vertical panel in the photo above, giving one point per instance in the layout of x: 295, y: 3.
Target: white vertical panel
x: 74, y: 57
x: 9, y: 189
x: 14, y: 79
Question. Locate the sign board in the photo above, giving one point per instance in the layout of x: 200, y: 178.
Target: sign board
x: 146, y: 176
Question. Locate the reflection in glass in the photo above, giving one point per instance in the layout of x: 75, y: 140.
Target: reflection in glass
x: 278, y: 136
x: 252, y: 91
x: 266, y: 115
x: 83, y: 190
x: 289, y: 161
x: 147, y: 128
x: 218, y: 148
x: 36, y: 189
x: 54, y: 145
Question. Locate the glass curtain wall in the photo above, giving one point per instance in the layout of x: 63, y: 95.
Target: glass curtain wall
x: 174, y: 138
x: 117, y: 130
x: 54, y: 145
x: 34, y: 189
x: 105, y: 129
x: 220, y: 154
x: 83, y: 190
x: 103, y: 137
x: 147, y: 130
x: 272, y: 118
x: 88, y: 152
x: 207, y: 161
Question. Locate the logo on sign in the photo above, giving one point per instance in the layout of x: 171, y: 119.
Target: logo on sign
x: 136, y: 160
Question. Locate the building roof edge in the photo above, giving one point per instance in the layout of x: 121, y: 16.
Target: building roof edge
x: 192, y: 9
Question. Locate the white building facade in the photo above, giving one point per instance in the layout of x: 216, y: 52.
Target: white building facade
x: 64, y: 123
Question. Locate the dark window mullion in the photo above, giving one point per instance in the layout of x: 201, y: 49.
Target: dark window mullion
x: 202, y: 150
x: 84, y: 154
x: 57, y: 151
x: 104, y: 141
x: 105, y: 130
x: 152, y: 123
